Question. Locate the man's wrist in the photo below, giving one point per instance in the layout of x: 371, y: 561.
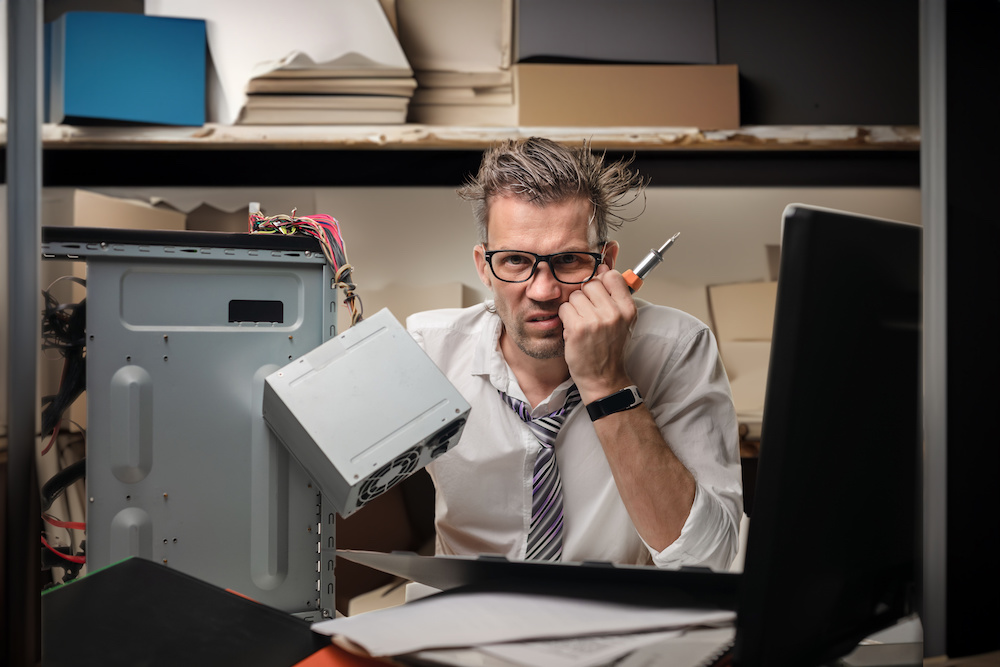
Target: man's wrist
x: 619, y: 401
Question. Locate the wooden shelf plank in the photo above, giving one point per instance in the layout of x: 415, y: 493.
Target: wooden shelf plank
x: 405, y: 137
x: 421, y: 155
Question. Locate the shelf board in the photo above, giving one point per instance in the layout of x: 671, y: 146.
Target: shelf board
x: 422, y: 155
x: 355, y: 137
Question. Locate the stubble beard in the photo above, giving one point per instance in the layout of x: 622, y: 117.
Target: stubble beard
x: 547, y: 347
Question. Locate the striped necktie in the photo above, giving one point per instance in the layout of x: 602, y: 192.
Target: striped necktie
x: 545, y: 533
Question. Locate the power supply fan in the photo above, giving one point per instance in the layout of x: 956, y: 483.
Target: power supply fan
x: 388, y: 475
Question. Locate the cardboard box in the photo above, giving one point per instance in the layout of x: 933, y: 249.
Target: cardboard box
x: 82, y: 208
x: 207, y: 218
x: 107, y: 66
x: 79, y: 208
x: 743, y: 311
x: 742, y: 320
x: 632, y: 31
x: 702, y: 96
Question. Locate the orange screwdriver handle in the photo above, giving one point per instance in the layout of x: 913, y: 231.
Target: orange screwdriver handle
x: 633, y: 281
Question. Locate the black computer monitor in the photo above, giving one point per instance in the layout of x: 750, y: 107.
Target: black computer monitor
x: 841, y: 434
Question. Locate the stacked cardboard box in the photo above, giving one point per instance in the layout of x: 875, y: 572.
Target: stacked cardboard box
x: 579, y: 63
x: 742, y: 319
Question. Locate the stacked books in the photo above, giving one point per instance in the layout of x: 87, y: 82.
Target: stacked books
x: 464, y: 98
x: 352, y: 89
x: 461, y: 55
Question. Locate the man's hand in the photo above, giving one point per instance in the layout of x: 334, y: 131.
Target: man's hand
x: 597, y: 325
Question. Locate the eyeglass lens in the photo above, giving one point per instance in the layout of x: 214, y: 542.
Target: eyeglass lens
x: 568, y: 267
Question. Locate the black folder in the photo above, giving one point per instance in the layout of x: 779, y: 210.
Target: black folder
x: 138, y: 612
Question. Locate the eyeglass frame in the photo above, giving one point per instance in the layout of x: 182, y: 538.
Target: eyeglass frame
x: 598, y: 257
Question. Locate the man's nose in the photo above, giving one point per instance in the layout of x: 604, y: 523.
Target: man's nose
x: 543, y: 286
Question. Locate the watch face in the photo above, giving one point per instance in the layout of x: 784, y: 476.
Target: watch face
x: 620, y: 400
x: 623, y: 399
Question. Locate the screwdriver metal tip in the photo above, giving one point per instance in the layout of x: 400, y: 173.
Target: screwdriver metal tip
x: 669, y: 243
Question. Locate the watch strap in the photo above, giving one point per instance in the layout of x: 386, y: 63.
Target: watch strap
x: 625, y: 399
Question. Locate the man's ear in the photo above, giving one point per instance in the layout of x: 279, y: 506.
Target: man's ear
x: 611, y: 253
x: 482, y: 268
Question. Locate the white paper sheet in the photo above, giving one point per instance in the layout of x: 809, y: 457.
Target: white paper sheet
x: 350, y: 64
x: 574, y: 652
x: 242, y: 35
x: 577, y: 651
x: 475, y: 619
x: 690, y: 649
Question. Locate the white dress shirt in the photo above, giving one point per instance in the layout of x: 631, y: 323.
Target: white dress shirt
x: 483, y: 501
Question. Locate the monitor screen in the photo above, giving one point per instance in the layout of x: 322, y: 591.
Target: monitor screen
x: 832, y: 551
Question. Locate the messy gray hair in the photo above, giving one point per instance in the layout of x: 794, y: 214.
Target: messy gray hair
x: 543, y: 172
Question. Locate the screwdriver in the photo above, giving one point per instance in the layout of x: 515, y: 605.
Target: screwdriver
x: 633, y: 277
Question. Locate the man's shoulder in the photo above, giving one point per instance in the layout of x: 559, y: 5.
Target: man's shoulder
x: 450, y: 319
x: 655, y: 319
x: 452, y: 336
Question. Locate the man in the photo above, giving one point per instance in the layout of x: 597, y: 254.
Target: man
x: 564, y: 352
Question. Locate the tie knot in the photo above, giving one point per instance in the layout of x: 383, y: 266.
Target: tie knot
x: 545, y: 427
x: 523, y: 410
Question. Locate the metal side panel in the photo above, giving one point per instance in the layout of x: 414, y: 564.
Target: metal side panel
x: 181, y: 467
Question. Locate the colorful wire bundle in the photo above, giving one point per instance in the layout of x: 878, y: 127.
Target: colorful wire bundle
x: 325, y: 229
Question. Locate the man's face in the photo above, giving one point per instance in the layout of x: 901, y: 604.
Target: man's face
x: 529, y: 310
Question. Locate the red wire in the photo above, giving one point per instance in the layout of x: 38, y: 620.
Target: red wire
x: 72, y: 559
x: 55, y: 432
x: 320, y: 226
x: 75, y: 525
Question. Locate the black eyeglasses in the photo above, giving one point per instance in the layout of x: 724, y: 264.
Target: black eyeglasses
x: 517, y: 266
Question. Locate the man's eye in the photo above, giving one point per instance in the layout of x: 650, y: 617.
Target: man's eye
x: 516, y: 260
x: 568, y: 260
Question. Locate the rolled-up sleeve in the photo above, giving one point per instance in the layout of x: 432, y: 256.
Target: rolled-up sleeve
x: 708, y: 538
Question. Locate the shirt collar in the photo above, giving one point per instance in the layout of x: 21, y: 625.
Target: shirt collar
x: 487, y: 348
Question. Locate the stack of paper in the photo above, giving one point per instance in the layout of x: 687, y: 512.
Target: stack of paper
x: 461, y: 54
x: 300, y: 61
x: 537, y: 630
x: 350, y: 89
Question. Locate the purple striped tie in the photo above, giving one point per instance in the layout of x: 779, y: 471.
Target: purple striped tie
x: 545, y: 534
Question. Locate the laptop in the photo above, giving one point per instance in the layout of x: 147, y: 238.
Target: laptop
x: 832, y: 555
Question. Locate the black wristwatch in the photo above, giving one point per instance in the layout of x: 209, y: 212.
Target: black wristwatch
x: 626, y: 399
